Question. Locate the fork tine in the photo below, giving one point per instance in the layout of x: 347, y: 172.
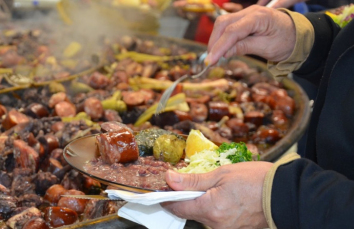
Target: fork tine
x: 167, y: 94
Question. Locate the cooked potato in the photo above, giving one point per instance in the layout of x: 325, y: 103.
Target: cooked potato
x: 169, y: 148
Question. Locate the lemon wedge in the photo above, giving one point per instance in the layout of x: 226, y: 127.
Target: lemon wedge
x: 196, y: 142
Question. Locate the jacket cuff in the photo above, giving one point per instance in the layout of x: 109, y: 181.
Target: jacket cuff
x: 305, y: 37
x: 267, y: 187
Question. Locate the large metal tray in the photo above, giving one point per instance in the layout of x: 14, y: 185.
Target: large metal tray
x: 297, y: 129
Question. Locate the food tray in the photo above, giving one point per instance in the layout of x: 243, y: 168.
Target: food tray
x: 299, y: 124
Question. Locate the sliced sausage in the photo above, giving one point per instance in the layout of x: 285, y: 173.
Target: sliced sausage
x: 99, y: 81
x: 255, y: 117
x: 93, y: 108
x: 217, y: 110
x: 199, y: 112
x: 111, y: 115
x: 14, y: 118
x: 133, y: 98
x: 3, y: 110
x: 37, y: 110
x: 53, y: 194
x: 266, y: 134
x: 279, y: 119
x: 65, y: 109
x: 182, y: 115
x: 239, y: 129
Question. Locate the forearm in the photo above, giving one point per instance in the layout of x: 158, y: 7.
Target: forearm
x: 304, y: 43
x: 306, y: 196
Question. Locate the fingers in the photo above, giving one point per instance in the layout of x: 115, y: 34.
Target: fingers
x: 189, y: 182
x: 232, y: 7
x: 180, y: 3
x: 226, y: 45
x: 228, y: 29
x: 263, y: 2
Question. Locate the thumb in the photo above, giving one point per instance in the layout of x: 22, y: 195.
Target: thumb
x: 189, y: 182
x: 262, y: 2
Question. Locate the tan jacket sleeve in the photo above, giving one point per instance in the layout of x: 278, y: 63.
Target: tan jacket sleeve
x: 267, y: 187
x: 305, y: 36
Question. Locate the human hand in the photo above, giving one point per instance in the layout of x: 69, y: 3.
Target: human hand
x: 233, y: 197
x: 280, y: 3
x: 232, y: 7
x: 257, y: 30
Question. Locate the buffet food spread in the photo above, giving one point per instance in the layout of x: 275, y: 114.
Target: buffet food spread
x: 53, y: 93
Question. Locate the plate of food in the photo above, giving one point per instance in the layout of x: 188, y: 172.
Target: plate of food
x: 138, y: 161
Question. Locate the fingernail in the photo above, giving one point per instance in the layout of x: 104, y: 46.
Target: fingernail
x: 208, y: 59
x: 174, y: 177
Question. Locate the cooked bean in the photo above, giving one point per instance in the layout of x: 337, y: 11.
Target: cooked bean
x: 53, y: 194
x: 59, y: 216
x: 37, y: 223
x: 57, y: 98
x: 49, y: 142
x: 58, y: 126
x: 37, y: 110
x: 76, y: 204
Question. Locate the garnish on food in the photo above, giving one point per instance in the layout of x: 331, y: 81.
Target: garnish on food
x: 207, y: 160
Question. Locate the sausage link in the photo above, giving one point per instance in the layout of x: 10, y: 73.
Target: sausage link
x: 217, y: 110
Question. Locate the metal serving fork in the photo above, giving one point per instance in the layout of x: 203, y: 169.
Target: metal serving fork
x: 167, y: 93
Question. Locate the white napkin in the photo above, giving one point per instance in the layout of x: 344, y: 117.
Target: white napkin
x: 145, y: 209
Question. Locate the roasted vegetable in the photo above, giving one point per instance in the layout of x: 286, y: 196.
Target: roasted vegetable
x: 169, y: 148
x: 146, y: 139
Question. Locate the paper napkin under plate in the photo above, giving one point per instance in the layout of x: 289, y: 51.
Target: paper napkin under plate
x: 145, y: 209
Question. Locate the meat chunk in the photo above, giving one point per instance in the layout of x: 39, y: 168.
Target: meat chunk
x: 30, y: 200
x: 7, y: 205
x: 17, y: 221
x: 22, y: 182
x: 37, y: 223
x: 99, y: 208
x: 118, y: 146
x: 43, y: 181
x: 73, y: 180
